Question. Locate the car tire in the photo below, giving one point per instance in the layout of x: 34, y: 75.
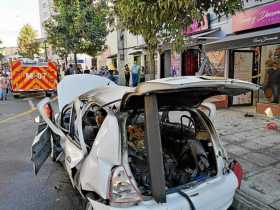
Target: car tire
x: 16, y: 96
x: 48, y: 94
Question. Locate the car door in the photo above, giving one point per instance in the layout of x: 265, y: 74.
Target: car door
x: 41, y: 147
x: 74, y: 150
x: 43, y: 144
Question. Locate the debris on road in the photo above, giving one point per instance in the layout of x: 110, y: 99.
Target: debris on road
x: 272, y: 126
x: 249, y: 115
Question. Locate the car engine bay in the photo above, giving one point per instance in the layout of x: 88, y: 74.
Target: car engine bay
x: 188, y: 153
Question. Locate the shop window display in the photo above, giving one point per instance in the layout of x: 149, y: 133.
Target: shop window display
x: 270, y: 74
x: 217, y: 59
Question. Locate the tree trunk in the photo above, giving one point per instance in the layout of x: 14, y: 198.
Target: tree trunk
x: 152, y: 65
x: 66, y: 60
x: 75, y: 60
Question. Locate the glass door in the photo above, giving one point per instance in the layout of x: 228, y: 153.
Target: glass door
x: 243, y: 64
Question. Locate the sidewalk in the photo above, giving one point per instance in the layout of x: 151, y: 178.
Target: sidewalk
x: 258, y: 150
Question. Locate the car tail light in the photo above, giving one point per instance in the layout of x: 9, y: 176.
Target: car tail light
x: 237, y: 170
x: 122, y: 191
x: 48, y: 110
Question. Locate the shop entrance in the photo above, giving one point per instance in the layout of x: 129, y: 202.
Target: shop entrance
x: 165, y: 64
x: 242, y: 68
x: 190, y: 62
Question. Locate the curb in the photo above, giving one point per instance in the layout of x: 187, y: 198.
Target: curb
x: 243, y: 201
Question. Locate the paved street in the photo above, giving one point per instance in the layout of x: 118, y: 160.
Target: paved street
x: 20, y: 188
x: 257, y: 148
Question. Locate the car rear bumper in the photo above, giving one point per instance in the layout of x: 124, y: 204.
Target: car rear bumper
x: 216, y: 194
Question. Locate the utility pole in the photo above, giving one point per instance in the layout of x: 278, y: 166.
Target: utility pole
x: 121, y: 35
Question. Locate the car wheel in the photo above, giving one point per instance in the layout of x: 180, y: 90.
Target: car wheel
x: 16, y: 96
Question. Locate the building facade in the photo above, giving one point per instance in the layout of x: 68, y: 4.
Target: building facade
x: 245, y: 46
x: 123, y: 48
x: 46, y: 10
x: 250, y: 50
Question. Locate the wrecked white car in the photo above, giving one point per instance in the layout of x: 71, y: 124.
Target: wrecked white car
x: 150, y: 147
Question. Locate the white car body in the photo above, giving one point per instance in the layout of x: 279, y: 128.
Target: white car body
x: 91, y: 170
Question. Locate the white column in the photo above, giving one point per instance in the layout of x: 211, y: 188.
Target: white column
x: 226, y: 73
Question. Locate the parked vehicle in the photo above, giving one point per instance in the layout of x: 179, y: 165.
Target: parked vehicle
x: 150, y: 147
x: 33, y: 77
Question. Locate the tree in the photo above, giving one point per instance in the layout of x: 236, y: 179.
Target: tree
x: 162, y: 21
x: 27, y: 44
x: 78, y: 27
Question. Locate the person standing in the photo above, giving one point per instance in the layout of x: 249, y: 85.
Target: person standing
x: 142, y: 74
x: 127, y: 75
x: 70, y: 70
x: 4, y: 82
x: 135, y: 72
x: 79, y: 70
x: 67, y: 71
x: 9, y: 85
x: 1, y: 84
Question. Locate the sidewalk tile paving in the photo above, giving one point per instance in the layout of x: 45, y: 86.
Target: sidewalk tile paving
x: 257, y: 149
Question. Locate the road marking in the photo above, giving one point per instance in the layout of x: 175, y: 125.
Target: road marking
x: 22, y: 114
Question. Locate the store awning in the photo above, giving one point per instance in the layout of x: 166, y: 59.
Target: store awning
x: 204, y: 38
x: 252, y: 39
x: 212, y: 34
x: 137, y: 52
x: 112, y: 56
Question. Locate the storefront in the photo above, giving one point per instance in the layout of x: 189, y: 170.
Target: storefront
x: 113, y: 60
x: 254, y: 52
x: 165, y: 64
x: 191, y: 55
x: 188, y: 61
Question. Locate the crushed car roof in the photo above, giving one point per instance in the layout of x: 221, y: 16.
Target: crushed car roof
x: 73, y: 86
x: 106, y: 95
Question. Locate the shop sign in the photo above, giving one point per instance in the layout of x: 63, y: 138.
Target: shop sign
x: 257, y: 17
x: 197, y: 26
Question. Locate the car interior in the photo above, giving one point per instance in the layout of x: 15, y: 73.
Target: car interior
x: 188, y: 153
x: 89, y: 124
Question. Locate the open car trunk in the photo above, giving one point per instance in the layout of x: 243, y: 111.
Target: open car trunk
x: 167, y: 155
x: 187, y: 150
